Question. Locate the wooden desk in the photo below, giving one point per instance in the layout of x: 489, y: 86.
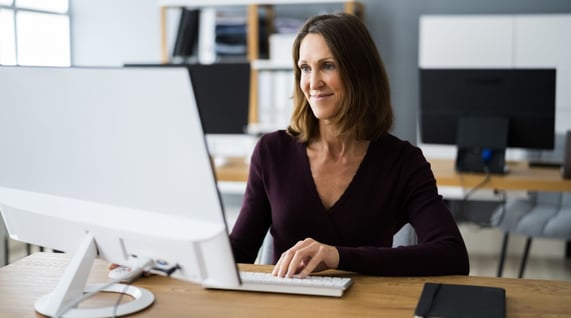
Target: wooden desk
x: 520, y: 177
x: 22, y: 282
x: 235, y: 170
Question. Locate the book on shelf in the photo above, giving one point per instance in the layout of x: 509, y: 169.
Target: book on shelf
x: 212, y: 35
x: 231, y: 33
x: 187, y: 34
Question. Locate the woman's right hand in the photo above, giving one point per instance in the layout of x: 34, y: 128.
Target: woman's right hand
x: 306, y: 257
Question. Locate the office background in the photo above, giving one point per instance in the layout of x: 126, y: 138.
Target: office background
x: 109, y: 33
x: 114, y: 33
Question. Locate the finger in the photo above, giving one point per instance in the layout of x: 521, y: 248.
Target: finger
x: 308, y: 258
x: 277, y: 266
x: 296, y: 264
x: 317, y: 258
x: 303, y: 254
x: 283, y: 264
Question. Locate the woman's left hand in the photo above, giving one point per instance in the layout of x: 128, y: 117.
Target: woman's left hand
x: 305, y: 257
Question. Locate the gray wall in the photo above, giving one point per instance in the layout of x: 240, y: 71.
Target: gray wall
x: 111, y: 32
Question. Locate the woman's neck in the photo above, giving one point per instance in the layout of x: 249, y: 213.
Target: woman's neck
x: 336, y: 147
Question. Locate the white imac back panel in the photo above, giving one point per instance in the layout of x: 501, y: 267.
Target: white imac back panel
x: 126, y: 137
x: 115, y: 152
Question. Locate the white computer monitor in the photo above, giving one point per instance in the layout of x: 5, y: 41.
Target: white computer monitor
x: 110, y: 163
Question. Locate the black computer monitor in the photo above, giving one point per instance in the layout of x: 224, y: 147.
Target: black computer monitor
x: 484, y: 111
x: 222, y: 94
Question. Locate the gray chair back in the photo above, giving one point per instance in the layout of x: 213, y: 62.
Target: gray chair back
x: 404, y: 237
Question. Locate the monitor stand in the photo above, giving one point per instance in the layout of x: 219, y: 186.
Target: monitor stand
x: 482, y: 143
x: 63, y: 300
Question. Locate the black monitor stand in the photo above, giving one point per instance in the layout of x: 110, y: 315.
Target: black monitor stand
x: 482, y: 143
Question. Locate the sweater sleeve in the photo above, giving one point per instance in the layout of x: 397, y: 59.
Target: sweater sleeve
x: 255, y: 215
x: 440, y: 249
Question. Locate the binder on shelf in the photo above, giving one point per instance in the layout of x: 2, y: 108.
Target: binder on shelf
x: 265, y: 100
x: 467, y: 301
x: 187, y: 34
x: 282, y: 92
x: 207, y: 36
x: 275, y: 104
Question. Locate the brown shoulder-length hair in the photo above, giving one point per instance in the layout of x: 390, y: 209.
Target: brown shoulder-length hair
x: 365, y: 112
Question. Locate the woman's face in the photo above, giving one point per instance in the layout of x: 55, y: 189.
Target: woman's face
x: 320, y: 78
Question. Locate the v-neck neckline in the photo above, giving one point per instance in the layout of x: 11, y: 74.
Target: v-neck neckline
x: 347, y: 190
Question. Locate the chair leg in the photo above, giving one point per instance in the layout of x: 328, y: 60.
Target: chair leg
x: 503, y: 254
x: 524, y: 257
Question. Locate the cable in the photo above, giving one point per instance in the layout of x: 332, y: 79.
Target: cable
x: 118, y: 302
x: 141, y: 264
x: 164, y: 270
x: 479, y: 185
x: 85, y: 296
x: 470, y: 192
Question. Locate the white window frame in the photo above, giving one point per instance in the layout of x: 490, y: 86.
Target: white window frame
x: 14, y: 8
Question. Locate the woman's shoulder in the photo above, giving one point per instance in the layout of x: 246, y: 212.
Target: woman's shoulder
x: 394, y: 150
x: 276, y: 136
x: 277, y: 143
x: 394, y: 144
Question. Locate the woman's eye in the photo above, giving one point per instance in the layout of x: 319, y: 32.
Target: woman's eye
x: 329, y: 66
x: 304, y: 68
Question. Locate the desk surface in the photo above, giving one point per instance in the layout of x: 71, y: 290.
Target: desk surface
x: 520, y: 177
x: 22, y: 282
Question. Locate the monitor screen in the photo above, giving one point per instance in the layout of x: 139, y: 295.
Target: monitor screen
x: 110, y: 163
x: 524, y: 98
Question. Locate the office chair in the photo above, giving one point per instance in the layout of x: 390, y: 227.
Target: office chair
x: 404, y: 237
x: 543, y: 215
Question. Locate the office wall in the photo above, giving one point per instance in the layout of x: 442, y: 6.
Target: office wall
x: 111, y: 32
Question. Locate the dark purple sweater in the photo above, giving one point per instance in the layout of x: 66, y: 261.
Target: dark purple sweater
x: 394, y: 185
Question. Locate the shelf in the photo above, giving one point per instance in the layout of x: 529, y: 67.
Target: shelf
x: 350, y: 6
x: 211, y: 3
x: 262, y: 65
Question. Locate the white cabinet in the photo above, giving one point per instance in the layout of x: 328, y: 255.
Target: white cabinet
x: 465, y: 41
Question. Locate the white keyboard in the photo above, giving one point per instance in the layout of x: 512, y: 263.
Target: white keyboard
x: 310, y: 285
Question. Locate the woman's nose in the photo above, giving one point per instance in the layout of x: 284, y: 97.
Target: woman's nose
x: 315, y: 81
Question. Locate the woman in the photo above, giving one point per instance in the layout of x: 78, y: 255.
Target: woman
x: 336, y: 186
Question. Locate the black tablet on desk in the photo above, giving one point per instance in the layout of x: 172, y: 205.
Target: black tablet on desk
x: 467, y: 301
